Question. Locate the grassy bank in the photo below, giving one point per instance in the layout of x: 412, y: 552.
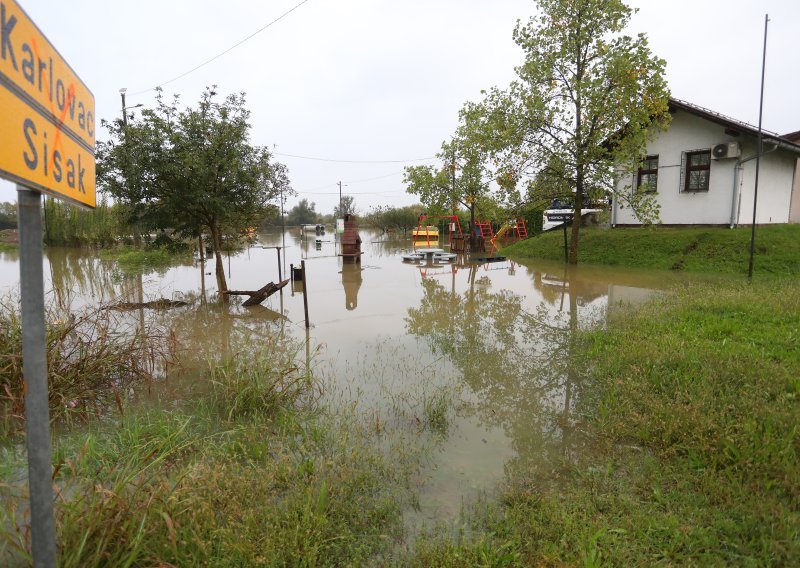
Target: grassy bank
x: 706, y: 250
x: 8, y: 240
x: 250, y: 473
x: 692, y: 406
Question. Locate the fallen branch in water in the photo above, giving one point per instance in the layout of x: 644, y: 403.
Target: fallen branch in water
x: 257, y: 296
x: 160, y: 304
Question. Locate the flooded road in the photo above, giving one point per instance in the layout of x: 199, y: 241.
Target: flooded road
x: 479, y: 349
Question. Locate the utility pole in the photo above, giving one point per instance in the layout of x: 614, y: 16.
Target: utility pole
x: 760, y: 151
x: 340, y: 199
x: 283, y: 227
x: 136, y: 233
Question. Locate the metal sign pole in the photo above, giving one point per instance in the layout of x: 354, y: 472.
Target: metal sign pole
x: 760, y: 153
x: 34, y: 370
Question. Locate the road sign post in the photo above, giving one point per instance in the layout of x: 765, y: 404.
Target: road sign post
x: 47, y: 146
x: 34, y: 370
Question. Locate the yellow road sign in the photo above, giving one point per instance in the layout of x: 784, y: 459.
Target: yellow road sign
x: 35, y: 153
x: 47, y: 122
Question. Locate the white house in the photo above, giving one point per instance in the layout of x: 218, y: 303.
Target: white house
x: 702, y: 172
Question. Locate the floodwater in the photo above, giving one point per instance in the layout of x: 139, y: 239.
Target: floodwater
x: 486, y: 345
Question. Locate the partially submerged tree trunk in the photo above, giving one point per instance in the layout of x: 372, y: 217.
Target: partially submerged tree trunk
x: 576, y: 219
x: 216, y: 237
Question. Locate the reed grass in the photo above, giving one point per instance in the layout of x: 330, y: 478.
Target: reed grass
x: 93, y: 358
x: 66, y: 225
x: 258, y: 383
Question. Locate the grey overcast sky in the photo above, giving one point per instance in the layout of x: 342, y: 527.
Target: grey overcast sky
x: 359, y: 81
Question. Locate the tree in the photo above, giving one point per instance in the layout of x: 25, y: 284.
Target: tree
x: 302, y: 214
x: 585, y: 102
x: 462, y: 179
x: 193, y: 170
x: 348, y: 207
x: 395, y: 218
x: 8, y: 215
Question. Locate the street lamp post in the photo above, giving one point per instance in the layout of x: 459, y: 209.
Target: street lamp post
x: 136, y: 235
x: 122, y: 92
x: 341, y: 205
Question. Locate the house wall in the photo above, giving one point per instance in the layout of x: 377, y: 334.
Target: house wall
x: 688, y: 132
x: 775, y: 181
x: 794, y: 210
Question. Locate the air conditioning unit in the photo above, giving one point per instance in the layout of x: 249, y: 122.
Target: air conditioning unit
x: 726, y: 150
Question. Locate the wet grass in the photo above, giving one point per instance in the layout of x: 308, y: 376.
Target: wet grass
x: 93, y: 358
x: 692, y: 405
x: 146, y: 259
x: 225, y: 480
x: 697, y: 250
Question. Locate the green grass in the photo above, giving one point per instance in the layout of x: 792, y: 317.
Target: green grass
x: 225, y: 480
x: 133, y: 260
x: 692, y: 406
x: 699, y: 250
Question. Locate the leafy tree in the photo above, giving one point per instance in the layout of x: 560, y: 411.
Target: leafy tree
x: 462, y: 179
x: 8, y: 215
x: 348, y: 207
x: 192, y: 171
x: 585, y: 102
x: 302, y: 214
x: 395, y: 218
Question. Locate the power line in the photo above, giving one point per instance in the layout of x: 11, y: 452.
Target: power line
x: 373, y: 178
x: 392, y: 192
x: 234, y: 46
x: 355, y: 161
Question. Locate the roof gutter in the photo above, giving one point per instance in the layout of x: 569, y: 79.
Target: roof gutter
x: 737, y: 168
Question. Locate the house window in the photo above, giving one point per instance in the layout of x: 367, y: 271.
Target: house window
x: 647, y: 179
x: 698, y: 171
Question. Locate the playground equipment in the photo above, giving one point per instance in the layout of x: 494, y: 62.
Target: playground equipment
x: 429, y: 255
x: 514, y: 228
x: 427, y: 233
x: 430, y: 233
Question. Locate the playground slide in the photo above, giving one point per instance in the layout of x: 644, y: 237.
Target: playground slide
x: 503, y: 230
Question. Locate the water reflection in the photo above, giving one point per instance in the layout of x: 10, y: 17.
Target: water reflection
x: 351, y: 281
x: 515, y: 357
x: 503, y: 331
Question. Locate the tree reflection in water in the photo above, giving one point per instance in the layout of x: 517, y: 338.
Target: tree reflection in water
x: 519, y: 364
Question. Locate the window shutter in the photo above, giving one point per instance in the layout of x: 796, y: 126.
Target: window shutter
x: 682, y: 179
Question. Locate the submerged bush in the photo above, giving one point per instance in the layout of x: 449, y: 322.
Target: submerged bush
x: 92, y: 358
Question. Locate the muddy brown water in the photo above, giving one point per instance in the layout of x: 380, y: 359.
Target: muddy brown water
x: 482, y: 346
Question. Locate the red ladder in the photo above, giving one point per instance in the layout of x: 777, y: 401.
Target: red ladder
x: 520, y: 229
x: 485, y: 229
